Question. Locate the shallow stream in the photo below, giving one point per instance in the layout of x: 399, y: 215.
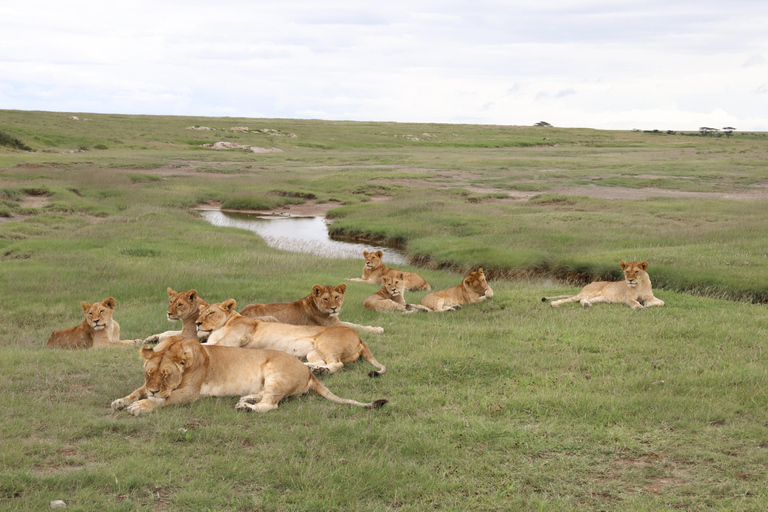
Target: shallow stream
x: 298, y: 234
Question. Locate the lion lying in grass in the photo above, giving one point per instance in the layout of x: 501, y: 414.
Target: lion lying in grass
x: 374, y: 270
x: 321, y: 307
x: 184, y: 306
x: 391, y: 297
x: 635, y: 290
x: 186, y: 370
x: 98, y: 329
x: 326, y: 349
x: 473, y: 288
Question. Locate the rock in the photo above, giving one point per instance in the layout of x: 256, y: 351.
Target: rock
x: 58, y: 504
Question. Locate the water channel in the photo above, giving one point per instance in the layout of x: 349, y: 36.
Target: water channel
x: 299, y: 234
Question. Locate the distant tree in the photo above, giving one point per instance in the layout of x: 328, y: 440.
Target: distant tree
x: 705, y: 130
x: 543, y: 123
x: 728, y: 131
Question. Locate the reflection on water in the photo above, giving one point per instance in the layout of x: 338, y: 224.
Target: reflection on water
x: 298, y: 234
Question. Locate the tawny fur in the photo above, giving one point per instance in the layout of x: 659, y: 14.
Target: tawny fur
x: 98, y: 329
x: 321, y: 307
x: 186, y: 370
x: 374, y: 269
x: 635, y: 290
x: 184, y: 306
x: 473, y: 288
x: 326, y: 349
x: 391, y: 297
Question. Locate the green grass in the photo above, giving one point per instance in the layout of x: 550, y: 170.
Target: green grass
x: 504, y: 405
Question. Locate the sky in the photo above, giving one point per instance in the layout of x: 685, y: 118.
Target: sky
x: 605, y: 64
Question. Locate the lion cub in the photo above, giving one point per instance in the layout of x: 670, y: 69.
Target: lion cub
x: 391, y: 297
x: 635, y: 291
x: 473, y: 288
x: 97, y: 330
x: 374, y: 270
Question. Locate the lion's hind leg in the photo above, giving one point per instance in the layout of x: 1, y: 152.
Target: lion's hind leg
x: 321, y: 364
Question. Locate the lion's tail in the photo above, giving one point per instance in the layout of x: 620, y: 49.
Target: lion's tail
x: 368, y: 356
x: 319, y: 388
x: 545, y: 299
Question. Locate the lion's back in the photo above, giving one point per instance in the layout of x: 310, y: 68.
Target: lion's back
x: 73, y: 338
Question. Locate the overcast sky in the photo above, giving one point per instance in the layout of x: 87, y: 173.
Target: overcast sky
x: 607, y: 64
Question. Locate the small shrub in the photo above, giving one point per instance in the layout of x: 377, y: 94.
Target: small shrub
x: 12, y: 142
x: 100, y: 146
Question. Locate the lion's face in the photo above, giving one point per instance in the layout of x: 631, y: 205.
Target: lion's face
x: 214, y: 317
x: 99, y: 314
x: 477, y: 283
x: 328, y: 299
x: 163, y: 371
x: 394, y: 285
x: 372, y: 259
x: 181, y: 305
x: 634, y: 272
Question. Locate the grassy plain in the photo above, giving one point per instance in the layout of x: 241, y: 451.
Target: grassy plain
x: 504, y: 405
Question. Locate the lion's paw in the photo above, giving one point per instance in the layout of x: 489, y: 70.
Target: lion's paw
x: 140, y: 407
x: 377, y: 330
x: 151, y: 339
x: 119, y: 404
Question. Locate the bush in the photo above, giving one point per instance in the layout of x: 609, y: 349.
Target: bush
x: 7, y: 140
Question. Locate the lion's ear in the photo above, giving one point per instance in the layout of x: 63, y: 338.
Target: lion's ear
x: 644, y: 265
x: 317, y: 289
x: 191, y: 295
x: 171, y: 292
x: 147, y: 352
x: 342, y: 288
x: 624, y: 265
x: 85, y: 306
x: 365, y: 253
x: 480, y: 271
x: 379, y: 254
x: 109, y: 302
x: 201, y: 307
x: 229, y: 305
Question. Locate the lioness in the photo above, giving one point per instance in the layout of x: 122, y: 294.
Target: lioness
x: 473, y: 288
x: 184, y: 306
x: 635, y: 291
x: 97, y: 330
x: 321, y: 307
x: 326, y: 349
x: 391, y: 297
x: 374, y: 270
x: 186, y: 370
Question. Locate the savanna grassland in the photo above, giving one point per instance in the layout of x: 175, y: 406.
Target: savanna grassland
x: 504, y: 405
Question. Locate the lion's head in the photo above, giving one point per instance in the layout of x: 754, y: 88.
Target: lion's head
x: 372, y: 259
x: 394, y: 285
x: 477, y: 283
x: 164, y: 370
x: 634, y: 272
x: 214, y: 317
x: 99, y: 314
x: 328, y: 299
x: 182, y: 305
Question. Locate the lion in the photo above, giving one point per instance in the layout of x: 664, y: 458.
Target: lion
x: 374, y: 270
x: 184, y: 306
x: 185, y: 370
x: 326, y: 349
x: 391, y: 297
x: 98, y: 329
x: 473, y: 288
x: 634, y: 291
x: 321, y: 307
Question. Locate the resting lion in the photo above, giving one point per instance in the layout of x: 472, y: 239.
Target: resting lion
x: 97, y: 330
x: 473, y: 288
x: 321, y: 307
x: 184, y: 306
x: 391, y: 297
x: 374, y: 269
x: 635, y: 291
x: 186, y: 370
x: 326, y: 349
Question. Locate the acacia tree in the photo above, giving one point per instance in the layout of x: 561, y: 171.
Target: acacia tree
x: 543, y: 123
x: 728, y: 131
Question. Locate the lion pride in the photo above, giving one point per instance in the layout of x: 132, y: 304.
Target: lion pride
x: 98, y: 329
x: 185, y: 371
x: 635, y: 290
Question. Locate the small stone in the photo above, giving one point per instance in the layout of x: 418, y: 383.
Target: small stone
x: 58, y: 504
